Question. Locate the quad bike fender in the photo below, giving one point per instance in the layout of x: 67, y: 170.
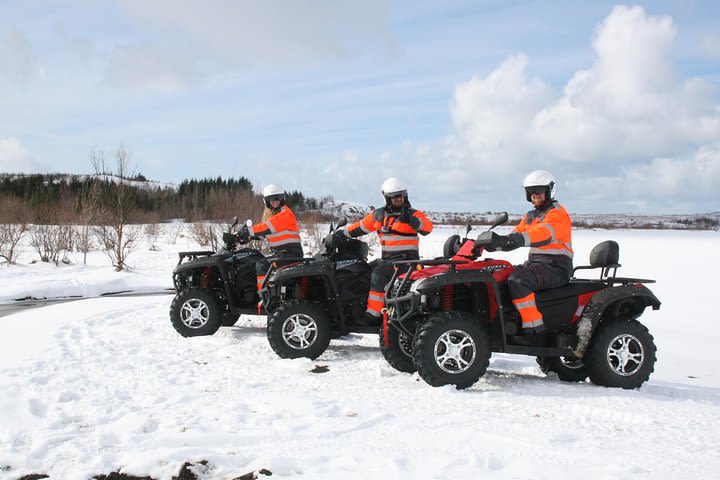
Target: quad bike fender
x: 293, y: 272
x: 621, y: 302
x: 434, y: 283
x: 199, y: 264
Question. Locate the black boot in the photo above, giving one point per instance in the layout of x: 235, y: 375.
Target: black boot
x: 532, y: 330
x: 369, y: 319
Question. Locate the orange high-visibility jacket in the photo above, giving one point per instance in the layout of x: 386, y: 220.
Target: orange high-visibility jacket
x: 396, y: 238
x: 281, y: 229
x: 547, y: 231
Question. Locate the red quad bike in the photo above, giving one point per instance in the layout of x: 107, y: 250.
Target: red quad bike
x: 446, y: 316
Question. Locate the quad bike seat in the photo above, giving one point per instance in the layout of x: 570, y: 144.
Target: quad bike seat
x: 573, y: 289
x: 605, y: 255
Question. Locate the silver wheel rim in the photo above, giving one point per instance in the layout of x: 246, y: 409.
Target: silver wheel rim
x: 454, y: 351
x: 625, y: 355
x: 571, y: 364
x: 299, y: 331
x: 405, y: 344
x: 194, y: 313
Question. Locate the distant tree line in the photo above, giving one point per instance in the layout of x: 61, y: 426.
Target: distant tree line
x: 45, y: 197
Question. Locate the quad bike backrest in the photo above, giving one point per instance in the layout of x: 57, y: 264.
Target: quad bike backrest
x: 604, y: 255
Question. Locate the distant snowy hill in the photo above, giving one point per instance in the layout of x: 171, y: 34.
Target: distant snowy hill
x: 704, y: 221
x: 57, y: 178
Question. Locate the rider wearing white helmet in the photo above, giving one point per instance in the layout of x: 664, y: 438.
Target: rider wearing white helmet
x: 547, y: 231
x: 398, y: 226
x: 280, y: 228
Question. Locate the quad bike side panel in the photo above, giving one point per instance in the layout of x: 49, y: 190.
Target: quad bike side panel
x: 621, y: 302
x: 558, y: 313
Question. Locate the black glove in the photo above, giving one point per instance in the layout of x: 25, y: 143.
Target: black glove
x: 503, y: 242
x: 406, y: 217
x: 244, y: 234
x: 229, y: 238
x: 492, y: 242
x: 339, y: 237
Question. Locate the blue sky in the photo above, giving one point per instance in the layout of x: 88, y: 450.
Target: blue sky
x: 459, y: 98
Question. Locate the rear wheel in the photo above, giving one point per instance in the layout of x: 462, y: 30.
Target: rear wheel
x: 195, y: 312
x: 398, y: 352
x: 451, y: 348
x: 621, y: 354
x: 299, y: 329
x: 568, y: 369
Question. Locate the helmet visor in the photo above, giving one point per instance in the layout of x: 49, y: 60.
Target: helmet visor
x: 536, y: 190
x: 398, y: 194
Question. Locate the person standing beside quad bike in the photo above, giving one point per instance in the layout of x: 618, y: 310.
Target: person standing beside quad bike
x: 398, y: 226
x: 280, y: 228
x: 547, y: 231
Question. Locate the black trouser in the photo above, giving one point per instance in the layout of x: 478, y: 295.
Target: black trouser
x: 382, y: 272
x: 263, y: 265
x: 527, y: 279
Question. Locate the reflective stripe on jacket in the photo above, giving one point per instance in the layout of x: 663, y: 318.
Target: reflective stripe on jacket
x: 396, y: 238
x: 281, y: 229
x: 547, y: 231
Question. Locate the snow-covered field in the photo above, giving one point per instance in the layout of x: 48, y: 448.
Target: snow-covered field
x: 106, y: 384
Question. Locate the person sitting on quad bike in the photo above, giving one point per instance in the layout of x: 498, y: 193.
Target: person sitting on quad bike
x: 397, y: 225
x: 280, y: 228
x: 546, y: 230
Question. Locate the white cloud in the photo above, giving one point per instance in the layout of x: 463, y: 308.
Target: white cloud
x: 15, y: 159
x: 193, y: 36
x: 623, y: 134
x: 629, y: 105
x: 674, y: 178
x: 492, y: 115
x: 18, y: 63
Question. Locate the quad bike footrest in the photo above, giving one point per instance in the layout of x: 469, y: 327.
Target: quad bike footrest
x: 543, y: 340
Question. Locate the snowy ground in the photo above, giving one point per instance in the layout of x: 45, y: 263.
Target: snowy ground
x: 106, y: 384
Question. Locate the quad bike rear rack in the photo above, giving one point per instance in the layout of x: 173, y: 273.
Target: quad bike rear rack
x: 193, y: 255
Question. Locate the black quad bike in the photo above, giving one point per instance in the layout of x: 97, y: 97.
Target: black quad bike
x: 214, y: 288
x: 446, y: 316
x: 318, y: 298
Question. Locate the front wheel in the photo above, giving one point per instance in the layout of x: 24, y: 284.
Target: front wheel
x: 567, y: 369
x: 621, y: 354
x: 195, y: 312
x: 299, y: 329
x: 398, y: 352
x: 451, y: 348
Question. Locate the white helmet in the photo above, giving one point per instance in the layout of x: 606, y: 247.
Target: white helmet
x: 393, y: 186
x: 273, y: 190
x: 540, y: 178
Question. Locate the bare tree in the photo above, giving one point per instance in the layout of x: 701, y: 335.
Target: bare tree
x: 51, y: 241
x: 117, y: 237
x: 315, y: 231
x: 13, y: 215
x: 88, y: 202
x: 153, y: 230
x: 205, y: 234
x: 10, y: 235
